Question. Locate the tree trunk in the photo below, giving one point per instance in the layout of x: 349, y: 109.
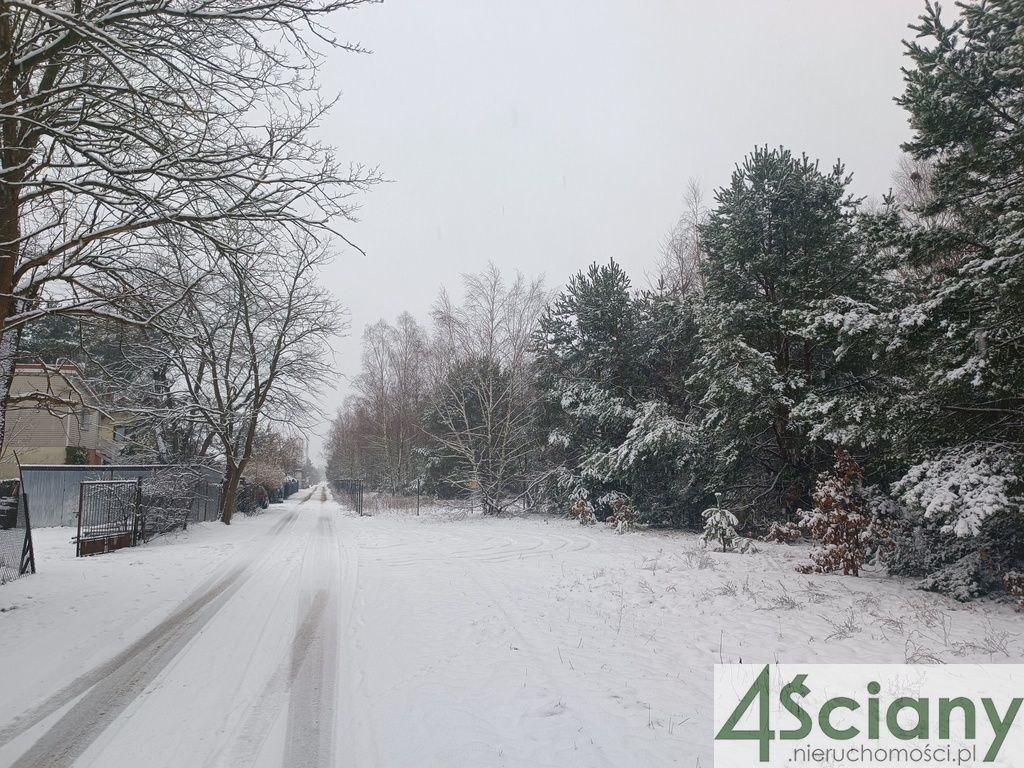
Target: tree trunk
x: 10, y: 234
x: 231, y: 480
x: 8, y: 352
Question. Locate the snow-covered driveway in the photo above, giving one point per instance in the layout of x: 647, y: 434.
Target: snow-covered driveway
x: 310, y: 637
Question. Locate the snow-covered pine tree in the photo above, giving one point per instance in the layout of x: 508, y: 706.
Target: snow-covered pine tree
x: 586, y: 345
x: 609, y: 431
x: 780, y: 243
x: 963, y: 329
x: 720, y: 525
x: 945, y: 405
x: 965, y: 96
x: 589, y: 332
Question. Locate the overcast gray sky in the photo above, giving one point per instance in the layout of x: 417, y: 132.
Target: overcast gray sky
x: 546, y: 134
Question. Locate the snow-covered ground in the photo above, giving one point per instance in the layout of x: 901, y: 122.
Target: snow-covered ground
x: 310, y: 637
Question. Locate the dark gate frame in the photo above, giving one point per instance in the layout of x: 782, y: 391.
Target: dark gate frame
x: 108, y: 534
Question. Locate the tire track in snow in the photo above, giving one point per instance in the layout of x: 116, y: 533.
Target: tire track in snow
x: 305, y: 683
x: 312, y: 675
x: 309, y: 737
x: 107, y: 690
x: 283, y: 523
x: 244, y: 749
x: 357, y: 741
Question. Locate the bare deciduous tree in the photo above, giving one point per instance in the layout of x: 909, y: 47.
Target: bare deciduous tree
x: 349, y: 450
x: 679, y: 266
x: 125, y: 121
x: 391, y: 395
x: 247, y: 348
x: 482, y: 397
x: 275, y: 456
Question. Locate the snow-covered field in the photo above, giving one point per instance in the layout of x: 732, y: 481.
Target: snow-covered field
x: 311, y: 637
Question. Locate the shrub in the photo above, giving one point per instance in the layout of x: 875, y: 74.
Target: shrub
x: 720, y: 525
x: 1013, y: 583
x: 782, y: 533
x: 962, y: 567
x: 841, y: 521
x: 583, y: 511
x: 76, y: 455
x: 624, y: 515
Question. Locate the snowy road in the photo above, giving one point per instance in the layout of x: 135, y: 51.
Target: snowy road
x: 310, y: 637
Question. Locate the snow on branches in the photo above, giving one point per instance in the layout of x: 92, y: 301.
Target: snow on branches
x: 962, y: 487
x: 653, y: 433
x: 720, y: 525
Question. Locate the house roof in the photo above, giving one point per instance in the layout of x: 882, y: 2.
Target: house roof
x: 57, y: 378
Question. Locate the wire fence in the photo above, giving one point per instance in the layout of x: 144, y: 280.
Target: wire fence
x: 350, y: 492
x: 114, y: 506
x: 16, y: 555
x: 123, y: 513
x: 173, y: 497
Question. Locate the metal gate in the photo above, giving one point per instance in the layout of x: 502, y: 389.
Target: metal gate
x: 55, y: 490
x: 108, y: 515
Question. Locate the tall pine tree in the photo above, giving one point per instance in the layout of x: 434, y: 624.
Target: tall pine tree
x: 782, y: 254
x: 951, y: 346
x: 605, y: 358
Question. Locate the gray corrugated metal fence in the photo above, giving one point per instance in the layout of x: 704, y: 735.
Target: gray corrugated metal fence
x: 53, y: 490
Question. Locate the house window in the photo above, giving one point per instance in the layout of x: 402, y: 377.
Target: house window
x: 119, y: 433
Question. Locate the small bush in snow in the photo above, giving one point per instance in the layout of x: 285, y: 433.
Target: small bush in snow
x: 1013, y: 583
x: 841, y: 521
x: 782, y: 533
x: 624, y: 515
x: 720, y: 525
x: 964, y: 579
x: 746, y: 546
x: 583, y: 511
x: 962, y: 568
x: 167, y: 500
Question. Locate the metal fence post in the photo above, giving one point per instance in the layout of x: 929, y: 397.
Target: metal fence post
x: 78, y: 538
x: 28, y: 551
x: 139, y: 525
